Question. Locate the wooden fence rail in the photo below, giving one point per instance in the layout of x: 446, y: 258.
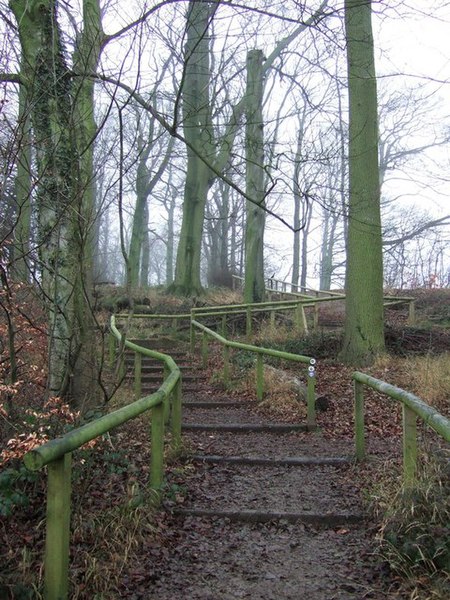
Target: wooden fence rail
x: 412, y: 407
x: 57, y: 455
x: 260, y: 352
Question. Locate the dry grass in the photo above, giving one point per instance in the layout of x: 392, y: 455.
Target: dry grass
x: 281, y: 398
x: 426, y: 376
x: 223, y: 296
x: 429, y: 377
x: 414, y: 528
x: 269, y: 334
x: 107, y: 542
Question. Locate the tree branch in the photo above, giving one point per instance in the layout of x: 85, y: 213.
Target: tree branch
x: 415, y: 232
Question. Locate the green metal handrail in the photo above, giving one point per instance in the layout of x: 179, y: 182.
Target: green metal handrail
x: 260, y: 352
x: 248, y: 309
x: 57, y: 455
x: 412, y: 406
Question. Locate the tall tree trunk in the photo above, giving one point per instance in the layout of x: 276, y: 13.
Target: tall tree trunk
x: 254, y: 287
x: 65, y: 190
x: 224, y: 229
x: 84, y: 363
x: 170, y: 236
x: 306, y: 219
x: 197, y: 131
x: 23, y: 182
x: 327, y: 248
x: 145, y: 254
x: 364, y: 335
x: 140, y: 222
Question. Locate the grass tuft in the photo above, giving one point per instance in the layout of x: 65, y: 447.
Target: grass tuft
x: 414, y: 534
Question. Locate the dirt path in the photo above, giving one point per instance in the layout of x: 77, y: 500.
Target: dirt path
x: 277, y: 529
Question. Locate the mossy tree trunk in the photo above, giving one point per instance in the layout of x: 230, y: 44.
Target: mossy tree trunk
x: 23, y: 191
x: 140, y: 217
x: 364, y: 334
x: 146, y: 180
x: 64, y: 130
x: 254, y: 287
x: 200, y: 134
x: 197, y: 131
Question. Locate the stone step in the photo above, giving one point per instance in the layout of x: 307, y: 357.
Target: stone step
x: 262, y: 516
x: 289, y: 461
x: 150, y: 377
x: 244, y: 427
x: 219, y: 404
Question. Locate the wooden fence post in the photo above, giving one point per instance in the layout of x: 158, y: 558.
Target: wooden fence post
x: 166, y: 402
x: 176, y: 416
x: 157, y: 444
x: 409, y: 446
x: 272, y: 320
x: 311, y: 397
x: 248, y: 322
x: 58, y: 529
x: 223, y: 329
x: 259, y: 377
x: 359, y: 421
x: 137, y: 375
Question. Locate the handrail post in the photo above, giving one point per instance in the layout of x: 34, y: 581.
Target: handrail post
x: 248, y: 322
x: 58, y: 528
x: 300, y: 318
x: 121, y: 367
x: 259, y: 377
x: 166, y: 402
x: 359, y: 420
x: 111, y: 349
x: 223, y: 328
x: 176, y: 416
x: 409, y: 446
x: 137, y: 374
x: 272, y: 320
x: 226, y: 363
x: 204, y: 349
x: 157, y: 446
x: 311, y: 397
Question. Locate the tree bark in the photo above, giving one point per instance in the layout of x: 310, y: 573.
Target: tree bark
x: 364, y: 334
x: 59, y: 109
x: 197, y: 131
x: 254, y: 286
x: 23, y: 187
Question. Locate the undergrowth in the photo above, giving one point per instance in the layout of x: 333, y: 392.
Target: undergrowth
x: 414, y: 531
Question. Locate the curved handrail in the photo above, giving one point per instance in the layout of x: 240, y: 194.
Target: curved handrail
x: 52, y: 450
x: 260, y: 351
x: 413, y: 407
x: 257, y: 349
x: 57, y: 455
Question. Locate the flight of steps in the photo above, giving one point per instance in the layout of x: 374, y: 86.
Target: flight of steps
x: 152, y: 370
x: 267, y: 510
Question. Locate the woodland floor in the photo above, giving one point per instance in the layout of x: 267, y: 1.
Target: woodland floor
x: 199, y: 558
x: 216, y: 558
x: 124, y: 549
